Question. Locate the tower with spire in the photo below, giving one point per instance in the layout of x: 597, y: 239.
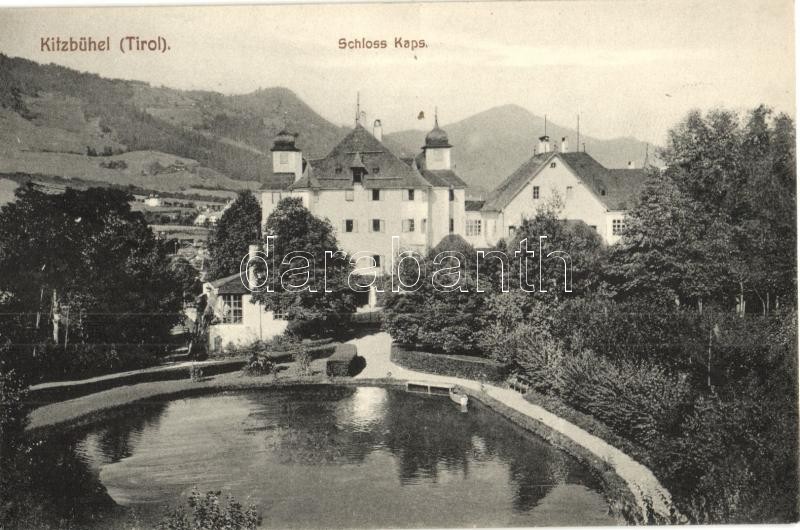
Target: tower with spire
x: 286, y: 157
x: 437, y: 147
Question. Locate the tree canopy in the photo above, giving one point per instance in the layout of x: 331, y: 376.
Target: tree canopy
x: 237, y: 229
x: 719, y: 225
x: 81, y: 267
x: 299, y: 246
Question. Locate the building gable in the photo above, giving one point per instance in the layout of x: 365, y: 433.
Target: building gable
x: 382, y: 168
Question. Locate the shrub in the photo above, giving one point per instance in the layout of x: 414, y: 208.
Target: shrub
x: 303, y: 359
x: 464, y: 366
x: 208, y: 513
x: 639, y: 400
x: 542, y: 361
x: 196, y: 373
x: 54, y: 362
x: 258, y: 365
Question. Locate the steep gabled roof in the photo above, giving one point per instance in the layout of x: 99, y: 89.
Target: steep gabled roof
x: 384, y: 169
x: 514, y: 183
x: 439, y: 178
x: 616, y: 189
x: 623, y: 187
x: 277, y: 181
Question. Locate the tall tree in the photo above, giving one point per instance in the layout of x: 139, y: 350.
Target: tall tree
x: 237, y: 229
x: 81, y: 267
x: 719, y: 224
x: 301, y: 271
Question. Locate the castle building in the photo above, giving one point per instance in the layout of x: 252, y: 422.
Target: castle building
x: 370, y: 195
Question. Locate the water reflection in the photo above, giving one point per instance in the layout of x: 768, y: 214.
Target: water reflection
x: 317, y: 457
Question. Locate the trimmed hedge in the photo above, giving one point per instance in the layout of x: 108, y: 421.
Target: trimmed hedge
x: 343, y: 361
x: 464, y: 366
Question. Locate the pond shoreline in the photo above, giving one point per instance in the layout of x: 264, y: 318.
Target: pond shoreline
x: 95, y: 408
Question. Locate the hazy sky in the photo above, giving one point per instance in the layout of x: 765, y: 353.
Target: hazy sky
x: 629, y: 68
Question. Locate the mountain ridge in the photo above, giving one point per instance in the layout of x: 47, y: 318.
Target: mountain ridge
x: 49, y: 112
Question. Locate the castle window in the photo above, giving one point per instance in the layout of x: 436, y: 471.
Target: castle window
x: 452, y: 195
x: 284, y: 158
x: 356, y: 176
x: 473, y: 227
x: 452, y: 225
x: 378, y: 225
x: 536, y: 192
x: 408, y: 225
x: 602, y: 192
x: 348, y: 195
x: 376, y: 195
x: 409, y: 195
x: 350, y: 225
x: 232, y: 309
x: 512, y: 230
x: 377, y: 258
x: 552, y: 164
x: 617, y: 225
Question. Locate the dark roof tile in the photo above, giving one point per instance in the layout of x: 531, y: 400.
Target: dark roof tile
x: 384, y: 169
x: 616, y: 189
x: 514, y: 183
x: 229, y: 285
x: 439, y: 178
x: 473, y: 205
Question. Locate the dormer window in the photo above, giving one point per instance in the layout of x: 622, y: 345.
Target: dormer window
x: 552, y: 164
x: 356, y: 176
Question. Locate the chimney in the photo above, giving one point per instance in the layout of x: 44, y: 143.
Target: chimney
x: 252, y: 252
x: 564, y: 144
x: 544, y: 145
x: 377, y: 130
x: 631, y: 165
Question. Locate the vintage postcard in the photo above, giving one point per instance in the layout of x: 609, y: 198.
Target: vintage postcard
x: 399, y: 265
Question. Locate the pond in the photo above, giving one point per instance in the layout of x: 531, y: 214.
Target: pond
x: 314, y: 457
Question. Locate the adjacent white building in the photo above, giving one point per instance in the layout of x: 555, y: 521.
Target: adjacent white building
x: 587, y: 191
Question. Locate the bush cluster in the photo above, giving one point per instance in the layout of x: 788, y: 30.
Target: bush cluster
x: 53, y: 362
x: 712, y: 406
x: 209, y: 513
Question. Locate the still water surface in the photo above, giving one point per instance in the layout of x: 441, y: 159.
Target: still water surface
x: 317, y: 457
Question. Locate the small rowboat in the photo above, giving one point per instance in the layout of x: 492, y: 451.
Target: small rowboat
x: 459, y: 397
